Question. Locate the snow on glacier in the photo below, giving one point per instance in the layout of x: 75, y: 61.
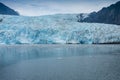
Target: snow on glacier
x: 57, y: 28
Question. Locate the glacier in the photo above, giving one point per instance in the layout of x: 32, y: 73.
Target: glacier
x: 55, y: 29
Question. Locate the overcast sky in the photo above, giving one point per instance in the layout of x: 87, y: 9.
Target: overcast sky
x: 46, y: 7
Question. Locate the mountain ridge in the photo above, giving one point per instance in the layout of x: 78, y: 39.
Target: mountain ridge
x: 109, y: 15
x: 5, y: 10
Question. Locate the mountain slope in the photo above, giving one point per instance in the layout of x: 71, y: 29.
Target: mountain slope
x: 110, y: 15
x: 6, y: 10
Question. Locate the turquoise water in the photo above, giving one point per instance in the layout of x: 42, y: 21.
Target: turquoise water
x: 60, y: 62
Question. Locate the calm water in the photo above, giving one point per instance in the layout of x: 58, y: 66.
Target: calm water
x: 60, y: 62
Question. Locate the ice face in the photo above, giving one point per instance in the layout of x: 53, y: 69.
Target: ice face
x: 55, y: 29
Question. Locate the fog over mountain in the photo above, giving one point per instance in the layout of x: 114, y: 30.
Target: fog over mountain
x: 47, y: 7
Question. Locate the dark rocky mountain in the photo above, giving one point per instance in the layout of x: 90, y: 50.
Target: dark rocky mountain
x: 109, y: 15
x: 6, y: 10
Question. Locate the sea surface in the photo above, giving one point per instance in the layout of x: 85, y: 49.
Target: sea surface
x: 60, y: 62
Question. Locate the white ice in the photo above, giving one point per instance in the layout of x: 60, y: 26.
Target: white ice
x: 59, y: 28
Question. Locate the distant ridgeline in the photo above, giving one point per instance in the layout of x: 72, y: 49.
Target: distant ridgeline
x: 6, y: 10
x: 109, y: 15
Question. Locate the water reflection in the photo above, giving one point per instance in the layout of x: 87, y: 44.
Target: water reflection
x: 60, y: 62
x: 13, y: 54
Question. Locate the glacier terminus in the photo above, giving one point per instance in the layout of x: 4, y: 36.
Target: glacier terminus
x: 55, y: 29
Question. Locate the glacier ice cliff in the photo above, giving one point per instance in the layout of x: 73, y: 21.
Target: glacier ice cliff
x: 51, y: 29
